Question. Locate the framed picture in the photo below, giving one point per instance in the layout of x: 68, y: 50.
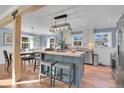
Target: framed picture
x: 7, y: 38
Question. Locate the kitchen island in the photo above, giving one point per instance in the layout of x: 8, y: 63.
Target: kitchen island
x: 68, y: 57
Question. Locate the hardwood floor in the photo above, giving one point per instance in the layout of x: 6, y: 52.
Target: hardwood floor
x: 94, y: 77
x: 97, y: 77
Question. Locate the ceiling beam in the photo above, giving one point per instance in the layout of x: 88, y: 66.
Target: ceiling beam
x: 22, y: 10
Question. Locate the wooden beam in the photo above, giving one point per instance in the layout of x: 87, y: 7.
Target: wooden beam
x: 16, y: 69
x: 22, y: 10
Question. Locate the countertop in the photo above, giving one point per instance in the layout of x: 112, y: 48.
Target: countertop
x: 65, y: 53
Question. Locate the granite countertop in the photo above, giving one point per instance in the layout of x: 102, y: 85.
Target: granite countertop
x: 84, y: 49
x: 65, y: 53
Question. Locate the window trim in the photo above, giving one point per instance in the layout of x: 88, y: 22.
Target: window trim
x: 107, y: 32
x: 29, y: 42
x: 77, y: 40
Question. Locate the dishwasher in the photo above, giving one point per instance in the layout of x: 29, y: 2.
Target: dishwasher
x: 88, y: 59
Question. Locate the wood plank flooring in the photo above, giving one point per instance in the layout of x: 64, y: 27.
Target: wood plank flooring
x: 94, y: 77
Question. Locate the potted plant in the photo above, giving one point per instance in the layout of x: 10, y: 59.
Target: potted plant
x: 61, y: 43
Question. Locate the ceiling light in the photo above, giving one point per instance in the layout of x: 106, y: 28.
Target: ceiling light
x: 60, y: 27
x: 33, y: 32
x: 109, y: 19
x: 84, y: 25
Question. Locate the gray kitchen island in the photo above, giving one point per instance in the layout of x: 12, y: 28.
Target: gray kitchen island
x: 76, y: 58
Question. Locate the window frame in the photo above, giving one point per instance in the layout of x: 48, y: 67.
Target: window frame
x: 52, y: 43
x: 28, y: 42
x: 80, y: 40
x: 109, y: 33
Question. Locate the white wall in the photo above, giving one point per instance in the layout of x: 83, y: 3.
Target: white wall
x: 9, y: 50
x: 104, y: 55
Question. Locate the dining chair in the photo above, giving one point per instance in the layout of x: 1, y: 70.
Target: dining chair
x: 27, y: 58
x: 7, y: 60
x: 37, y: 61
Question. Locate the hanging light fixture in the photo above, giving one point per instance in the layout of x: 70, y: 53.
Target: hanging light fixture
x: 33, y: 32
x: 60, y: 27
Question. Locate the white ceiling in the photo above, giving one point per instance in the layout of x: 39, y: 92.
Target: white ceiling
x: 81, y: 17
x: 4, y: 8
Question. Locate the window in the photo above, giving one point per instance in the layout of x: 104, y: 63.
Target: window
x: 77, y: 40
x: 25, y: 42
x: 52, y: 42
x: 103, y: 39
x: 36, y: 42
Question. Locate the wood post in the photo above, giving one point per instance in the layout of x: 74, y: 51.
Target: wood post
x: 16, y: 69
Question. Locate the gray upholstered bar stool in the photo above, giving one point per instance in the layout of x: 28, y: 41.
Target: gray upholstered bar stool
x: 46, y: 68
x: 64, y: 72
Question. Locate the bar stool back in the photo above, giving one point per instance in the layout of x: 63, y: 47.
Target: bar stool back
x: 46, y: 67
x: 64, y: 72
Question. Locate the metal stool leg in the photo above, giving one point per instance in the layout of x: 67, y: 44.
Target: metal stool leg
x: 54, y: 76
x: 74, y: 75
x: 40, y: 76
x: 35, y: 65
x: 48, y: 70
x: 50, y: 76
x: 70, y: 78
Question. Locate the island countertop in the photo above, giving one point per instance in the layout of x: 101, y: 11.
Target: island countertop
x: 65, y: 53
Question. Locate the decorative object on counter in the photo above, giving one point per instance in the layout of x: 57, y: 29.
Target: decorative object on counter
x: 90, y: 45
x: 73, y: 51
x: 49, y: 49
x: 61, y: 26
x: 61, y: 43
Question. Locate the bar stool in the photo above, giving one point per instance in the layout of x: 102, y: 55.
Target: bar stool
x: 46, y: 68
x: 64, y: 72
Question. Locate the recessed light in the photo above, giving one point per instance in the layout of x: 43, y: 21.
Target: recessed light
x: 109, y: 19
x: 84, y: 24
